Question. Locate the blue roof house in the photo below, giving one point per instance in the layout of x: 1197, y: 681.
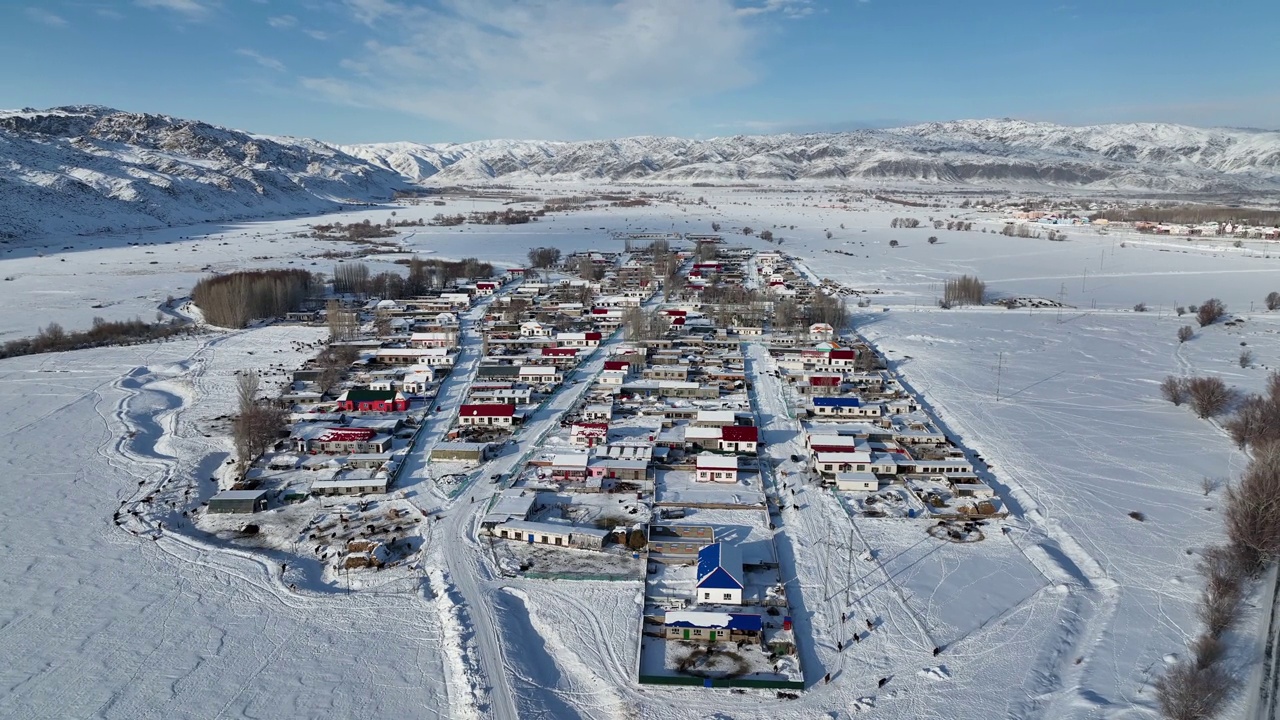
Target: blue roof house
x: 720, y: 578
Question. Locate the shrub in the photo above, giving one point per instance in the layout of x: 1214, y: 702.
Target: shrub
x: 1224, y: 570
x: 1187, y: 692
x: 1257, y: 419
x: 1209, y: 396
x: 933, y: 239
x: 1174, y: 390
x: 1253, y: 509
x: 1181, y: 311
x: 1185, y: 333
x: 1246, y: 358
x: 1210, y: 312
x: 1140, y: 307
x: 1273, y: 300
x: 1140, y: 517
x: 893, y: 243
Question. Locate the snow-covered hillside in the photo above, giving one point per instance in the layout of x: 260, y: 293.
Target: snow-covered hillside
x: 1158, y: 157
x: 88, y: 169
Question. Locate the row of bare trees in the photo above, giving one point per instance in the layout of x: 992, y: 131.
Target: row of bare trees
x: 964, y: 290
x: 53, y: 338
x: 1198, y: 686
x: 236, y: 299
x: 355, y: 278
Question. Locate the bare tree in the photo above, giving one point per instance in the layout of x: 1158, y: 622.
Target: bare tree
x: 1174, y: 390
x: 1246, y: 358
x: 1185, y: 333
x: 766, y: 235
x: 1273, y: 300
x: 1208, y: 395
x: 257, y: 426
x: 1210, y: 312
x: 343, y: 323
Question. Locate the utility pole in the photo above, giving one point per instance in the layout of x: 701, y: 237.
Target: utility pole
x: 1062, y: 294
x: 1084, y: 277
x: 999, y: 372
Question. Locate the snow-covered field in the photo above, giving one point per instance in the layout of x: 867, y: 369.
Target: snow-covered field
x: 1068, y: 615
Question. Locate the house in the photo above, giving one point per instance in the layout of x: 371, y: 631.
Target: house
x: 710, y: 627
x: 716, y: 418
x: 436, y: 339
x: 578, y: 339
x: 842, y: 358
x: 465, y: 451
x: 571, y: 466
x: 418, y: 380
x: 551, y: 534
x: 238, y: 501
x: 607, y: 468
x: 500, y: 414
x: 739, y: 439
x: 597, y: 413
x: 510, y: 395
x: 717, y: 468
x: 539, y: 374
x: 341, y: 440
x: 432, y: 357
x: 376, y: 483
x: 560, y: 355
x: 857, y: 482
x: 589, y: 434
x: 821, y: 332
x: 358, y: 400
x: 679, y: 540
x: 703, y: 438
x: 533, y: 328
x: 487, y: 287
x: 720, y: 577
x: 837, y: 407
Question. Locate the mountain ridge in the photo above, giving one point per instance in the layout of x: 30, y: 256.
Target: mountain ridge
x: 87, y: 168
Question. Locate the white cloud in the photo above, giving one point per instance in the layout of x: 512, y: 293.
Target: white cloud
x: 265, y: 61
x: 789, y: 8
x: 41, y: 15
x: 191, y: 9
x: 316, y: 34
x: 554, y: 68
x: 282, y: 22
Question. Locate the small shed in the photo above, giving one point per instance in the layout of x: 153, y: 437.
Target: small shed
x: 238, y: 501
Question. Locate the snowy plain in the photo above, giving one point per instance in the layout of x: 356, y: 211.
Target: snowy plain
x: 1068, y: 615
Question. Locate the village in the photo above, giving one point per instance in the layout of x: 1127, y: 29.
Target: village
x: 613, y: 417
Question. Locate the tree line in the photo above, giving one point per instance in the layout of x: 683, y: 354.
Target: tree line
x: 237, y: 299
x: 53, y: 338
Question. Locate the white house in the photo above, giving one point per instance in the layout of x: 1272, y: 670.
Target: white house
x: 857, y: 482
x: 820, y: 332
x: 717, y: 468
x: 533, y: 328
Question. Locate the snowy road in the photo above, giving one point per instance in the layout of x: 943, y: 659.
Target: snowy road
x: 466, y: 568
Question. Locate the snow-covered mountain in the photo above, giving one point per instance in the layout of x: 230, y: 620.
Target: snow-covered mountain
x: 1158, y: 157
x: 87, y: 168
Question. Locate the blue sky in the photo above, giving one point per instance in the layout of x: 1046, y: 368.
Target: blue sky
x: 460, y: 70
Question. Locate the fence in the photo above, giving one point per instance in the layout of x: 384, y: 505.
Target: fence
x: 691, y: 681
